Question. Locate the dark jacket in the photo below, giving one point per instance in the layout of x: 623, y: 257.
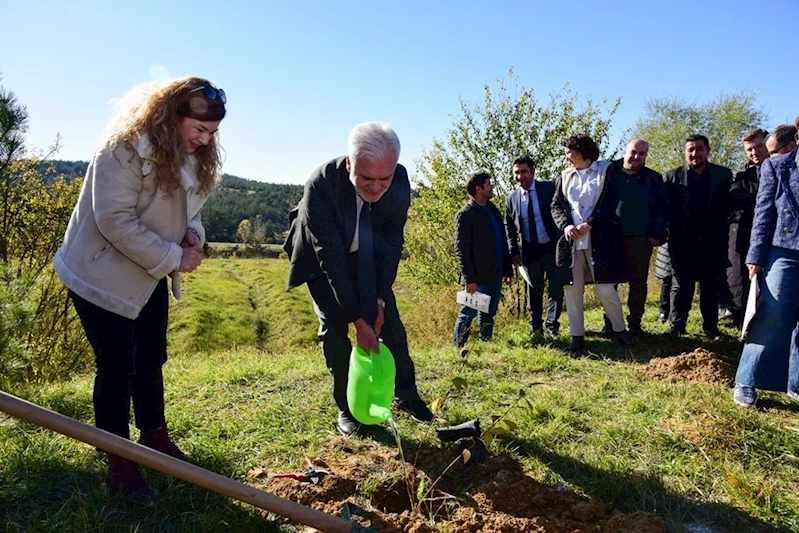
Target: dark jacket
x: 658, y: 199
x: 544, y: 190
x: 743, y: 195
x: 682, y: 235
x: 777, y: 211
x: 606, y: 240
x: 475, y: 245
x: 323, y: 227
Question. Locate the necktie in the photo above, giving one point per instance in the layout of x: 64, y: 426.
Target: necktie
x: 531, y: 219
x: 366, y: 266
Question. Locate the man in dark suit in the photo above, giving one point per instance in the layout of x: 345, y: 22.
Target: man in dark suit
x: 345, y: 243
x: 643, y: 212
x: 482, y: 250
x: 743, y: 195
x: 698, y: 195
x: 528, y: 216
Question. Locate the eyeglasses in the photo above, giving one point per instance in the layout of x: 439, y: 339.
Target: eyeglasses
x: 212, y: 93
x: 776, y: 151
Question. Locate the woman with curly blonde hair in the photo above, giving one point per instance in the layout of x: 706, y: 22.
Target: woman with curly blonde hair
x: 137, y: 222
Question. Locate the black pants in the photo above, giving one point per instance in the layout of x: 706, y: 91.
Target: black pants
x: 665, y: 296
x: 637, y: 255
x: 540, y: 263
x: 704, y: 269
x: 129, y: 355
x: 336, y: 345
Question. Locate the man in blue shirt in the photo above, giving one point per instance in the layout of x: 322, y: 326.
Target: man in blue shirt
x: 482, y: 250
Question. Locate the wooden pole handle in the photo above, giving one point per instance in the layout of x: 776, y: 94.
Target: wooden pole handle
x: 193, y: 474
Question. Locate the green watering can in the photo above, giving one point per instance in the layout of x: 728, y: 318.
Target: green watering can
x: 370, y: 387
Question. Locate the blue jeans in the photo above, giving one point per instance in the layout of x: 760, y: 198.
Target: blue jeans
x: 485, y: 321
x: 770, y: 358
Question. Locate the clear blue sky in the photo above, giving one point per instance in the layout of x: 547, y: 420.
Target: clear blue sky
x: 300, y: 74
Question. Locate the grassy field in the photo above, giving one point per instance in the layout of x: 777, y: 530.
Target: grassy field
x: 247, y: 387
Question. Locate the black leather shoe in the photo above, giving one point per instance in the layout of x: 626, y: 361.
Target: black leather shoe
x: 712, y: 334
x: 576, y: 344
x: 674, y: 332
x: 607, y: 331
x: 346, y: 423
x: 625, y: 338
x: 417, y: 409
x: 635, y: 330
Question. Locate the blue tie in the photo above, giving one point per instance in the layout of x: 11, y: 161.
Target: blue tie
x: 366, y: 266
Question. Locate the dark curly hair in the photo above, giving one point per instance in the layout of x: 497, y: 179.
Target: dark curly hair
x: 583, y: 144
x: 478, y: 179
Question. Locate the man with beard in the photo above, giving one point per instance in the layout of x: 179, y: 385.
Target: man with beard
x: 698, y: 194
x: 345, y: 243
x: 482, y: 250
x: 528, y: 216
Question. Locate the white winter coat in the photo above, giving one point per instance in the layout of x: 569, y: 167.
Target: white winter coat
x: 124, y: 234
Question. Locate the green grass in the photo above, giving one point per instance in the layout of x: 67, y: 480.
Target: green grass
x: 247, y: 386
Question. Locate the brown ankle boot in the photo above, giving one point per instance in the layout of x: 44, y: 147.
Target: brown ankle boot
x: 158, y: 439
x: 125, y: 478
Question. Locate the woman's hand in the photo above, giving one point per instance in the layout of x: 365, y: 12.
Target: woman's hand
x: 754, y: 269
x: 583, y: 228
x: 571, y: 232
x: 190, y: 259
x: 191, y: 240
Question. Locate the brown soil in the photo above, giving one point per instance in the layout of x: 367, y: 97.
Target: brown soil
x: 494, y: 496
x: 699, y: 366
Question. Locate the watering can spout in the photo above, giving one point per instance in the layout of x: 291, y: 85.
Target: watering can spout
x: 378, y: 411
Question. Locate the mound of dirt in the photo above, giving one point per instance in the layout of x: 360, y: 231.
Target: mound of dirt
x: 699, y: 366
x: 494, y: 496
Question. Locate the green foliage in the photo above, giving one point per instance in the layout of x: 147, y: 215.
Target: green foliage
x: 487, y: 136
x: 39, y: 334
x: 238, y: 199
x: 668, y: 121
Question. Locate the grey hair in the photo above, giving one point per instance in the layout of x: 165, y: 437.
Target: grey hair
x: 783, y: 134
x: 373, y: 141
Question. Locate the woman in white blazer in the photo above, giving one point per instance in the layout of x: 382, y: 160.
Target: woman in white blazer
x: 137, y: 222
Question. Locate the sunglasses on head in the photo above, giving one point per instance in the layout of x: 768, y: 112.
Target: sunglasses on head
x: 212, y: 93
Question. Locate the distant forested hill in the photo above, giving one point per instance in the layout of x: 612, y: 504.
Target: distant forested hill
x: 235, y: 200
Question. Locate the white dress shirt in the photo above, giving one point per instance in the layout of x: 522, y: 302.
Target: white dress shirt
x: 582, y: 196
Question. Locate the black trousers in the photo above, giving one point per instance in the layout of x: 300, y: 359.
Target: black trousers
x: 540, y: 262
x: 702, y: 268
x: 336, y: 345
x: 129, y: 355
x: 637, y: 255
x: 665, y: 296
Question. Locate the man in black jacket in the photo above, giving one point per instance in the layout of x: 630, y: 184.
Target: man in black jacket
x: 743, y: 195
x: 482, y: 249
x: 345, y: 243
x: 643, y: 212
x: 528, y: 216
x: 698, y: 195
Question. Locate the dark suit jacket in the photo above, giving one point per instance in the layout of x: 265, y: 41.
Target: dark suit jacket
x: 682, y: 241
x: 743, y: 196
x: 606, y: 238
x: 475, y: 245
x: 544, y: 190
x: 323, y: 227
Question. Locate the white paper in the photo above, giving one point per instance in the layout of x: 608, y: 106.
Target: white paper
x: 751, y: 303
x: 525, y: 274
x: 475, y: 300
